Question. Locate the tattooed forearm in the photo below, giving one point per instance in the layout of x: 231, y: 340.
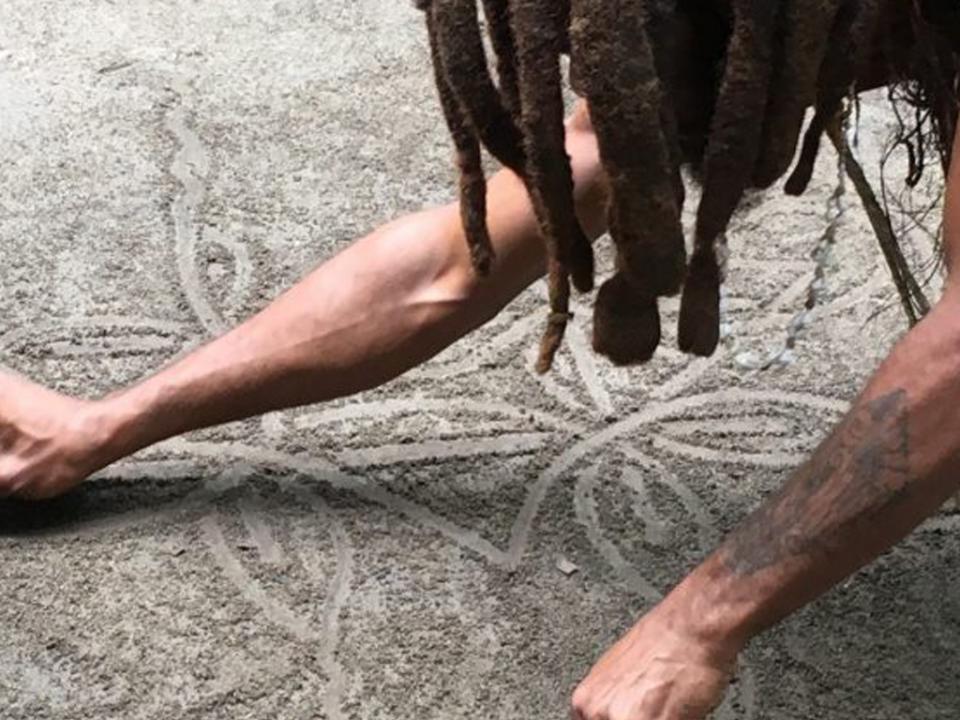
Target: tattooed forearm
x: 891, y: 463
x: 862, y: 469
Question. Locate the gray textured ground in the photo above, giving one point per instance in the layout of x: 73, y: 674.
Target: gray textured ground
x: 167, y: 167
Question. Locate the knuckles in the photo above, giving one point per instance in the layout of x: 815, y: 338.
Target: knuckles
x: 592, y: 703
x: 586, y: 704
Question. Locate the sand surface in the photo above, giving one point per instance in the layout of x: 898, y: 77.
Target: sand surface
x: 167, y: 167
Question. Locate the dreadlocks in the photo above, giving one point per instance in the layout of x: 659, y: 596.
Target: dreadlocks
x: 769, y: 61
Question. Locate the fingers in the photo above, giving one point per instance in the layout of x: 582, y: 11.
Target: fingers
x: 32, y: 494
x: 7, y: 477
x: 17, y: 479
x: 11, y: 485
x: 669, y: 692
x: 626, y: 709
x: 578, y: 704
x: 600, y: 702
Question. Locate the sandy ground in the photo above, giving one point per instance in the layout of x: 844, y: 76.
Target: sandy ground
x: 169, y: 166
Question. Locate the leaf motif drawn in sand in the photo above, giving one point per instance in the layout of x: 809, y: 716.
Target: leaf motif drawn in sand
x: 214, y: 266
x: 121, y: 348
x: 96, y: 336
x: 316, y: 624
x: 771, y: 429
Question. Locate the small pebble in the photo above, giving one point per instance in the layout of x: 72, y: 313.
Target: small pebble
x: 747, y: 361
x: 567, y: 567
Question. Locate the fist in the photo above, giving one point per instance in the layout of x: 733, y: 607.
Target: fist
x: 654, y: 673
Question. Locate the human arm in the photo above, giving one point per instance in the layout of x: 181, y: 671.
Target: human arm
x: 890, y: 464
x: 385, y: 304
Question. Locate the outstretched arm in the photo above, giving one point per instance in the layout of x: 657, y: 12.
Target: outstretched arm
x: 384, y: 305
x: 891, y: 463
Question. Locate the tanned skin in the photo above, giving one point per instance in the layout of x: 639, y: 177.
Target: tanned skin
x: 363, y: 318
x: 360, y: 319
x: 891, y: 463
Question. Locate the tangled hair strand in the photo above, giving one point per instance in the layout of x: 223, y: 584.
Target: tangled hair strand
x: 460, y: 46
x: 473, y: 184
x: 614, y: 61
x: 805, y: 33
x: 750, y: 71
x: 732, y: 153
x: 539, y: 29
x: 852, y: 32
x: 505, y: 46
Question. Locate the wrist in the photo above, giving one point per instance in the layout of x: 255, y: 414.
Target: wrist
x: 118, y: 424
x: 704, y: 609
x: 87, y: 438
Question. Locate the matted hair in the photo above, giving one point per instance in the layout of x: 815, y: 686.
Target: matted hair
x: 765, y: 63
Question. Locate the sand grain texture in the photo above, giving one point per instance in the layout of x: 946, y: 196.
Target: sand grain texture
x: 167, y: 168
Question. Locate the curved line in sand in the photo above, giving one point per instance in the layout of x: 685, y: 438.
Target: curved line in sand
x: 189, y: 167
x: 654, y: 413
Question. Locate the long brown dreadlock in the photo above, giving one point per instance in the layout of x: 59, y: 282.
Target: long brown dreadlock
x: 764, y: 62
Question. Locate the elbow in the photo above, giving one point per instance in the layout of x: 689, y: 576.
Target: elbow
x: 441, y: 280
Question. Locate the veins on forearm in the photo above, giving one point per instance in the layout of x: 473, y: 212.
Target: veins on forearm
x: 861, y: 471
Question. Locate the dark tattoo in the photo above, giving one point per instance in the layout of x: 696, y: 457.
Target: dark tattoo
x: 863, y: 468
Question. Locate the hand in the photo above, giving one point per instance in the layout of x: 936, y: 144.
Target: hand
x: 656, y: 672
x: 47, y: 440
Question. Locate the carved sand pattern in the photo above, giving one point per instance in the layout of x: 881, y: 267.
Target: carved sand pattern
x: 275, y: 611
x: 190, y: 166
x: 338, y: 596
x: 323, y: 636
x: 257, y: 139
x: 496, y: 428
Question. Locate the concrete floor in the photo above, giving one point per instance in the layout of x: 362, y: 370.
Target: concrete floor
x: 168, y: 167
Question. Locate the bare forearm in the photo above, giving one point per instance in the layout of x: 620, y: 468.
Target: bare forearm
x: 384, y: 305
x: 890, y: 464
x: 356, y: 321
